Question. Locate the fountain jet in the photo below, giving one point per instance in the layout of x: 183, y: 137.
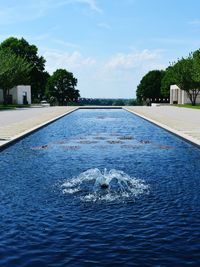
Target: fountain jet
x: 94, y: 185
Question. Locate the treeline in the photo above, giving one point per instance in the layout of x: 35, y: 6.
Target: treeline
x: 21, y: 64
x: 185, y: 73
x: 106, y: 102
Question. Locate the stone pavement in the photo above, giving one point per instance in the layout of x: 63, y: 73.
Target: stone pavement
x: 184, y: 122
x: 16, y: 123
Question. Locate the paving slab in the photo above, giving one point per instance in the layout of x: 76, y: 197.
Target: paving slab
x: 183, y: 122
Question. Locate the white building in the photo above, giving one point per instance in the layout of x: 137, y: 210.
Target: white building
x: 178, y: 96
x: 20, y: 94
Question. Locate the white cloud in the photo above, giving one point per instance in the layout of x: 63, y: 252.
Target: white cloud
x: 16, y: 14
x: 123, y: 72
x: 104, y: 25
x: 65, y: 44
x: 92, y: 4
x: 71, y: 61
x: 32, y: 10
x: 132, y: 60
x: 174, y: 41
x: 195, y: 22
x: 114, y: 77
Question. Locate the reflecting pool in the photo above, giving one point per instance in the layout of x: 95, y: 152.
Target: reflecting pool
x: 100, y: 188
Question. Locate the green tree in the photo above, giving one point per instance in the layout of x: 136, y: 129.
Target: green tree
x: 187, y: 76
x: 118, y: 102
x: 14, y: 70
x: 196, y: 75
x: 167, y: 80
x: 132, y: 102
x: 196, y: 65
x: 38, y: 77
x: 150, y: 85
x: 61, y: 85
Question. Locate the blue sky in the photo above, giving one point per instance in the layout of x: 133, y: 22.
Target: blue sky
x: 108, y: 44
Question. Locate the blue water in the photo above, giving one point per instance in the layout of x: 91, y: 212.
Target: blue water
x: 51, y: 214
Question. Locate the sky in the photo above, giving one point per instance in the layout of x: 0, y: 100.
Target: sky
x: 109, y: 45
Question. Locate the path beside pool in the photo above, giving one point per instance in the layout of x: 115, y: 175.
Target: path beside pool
x: 184, y: 122
x: 16, y: 123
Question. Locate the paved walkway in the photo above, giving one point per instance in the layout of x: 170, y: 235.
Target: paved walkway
x: 16, y: 123
x: 184, y: 122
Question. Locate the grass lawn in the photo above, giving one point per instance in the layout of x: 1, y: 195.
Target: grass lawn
x: 189, y: 106
x: 3, y: 107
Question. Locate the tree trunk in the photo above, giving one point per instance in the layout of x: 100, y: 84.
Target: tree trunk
x: 5, y: 96
x: 193, y: 96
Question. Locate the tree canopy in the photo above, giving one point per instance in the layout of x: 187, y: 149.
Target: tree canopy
x: 14, y: 70
x: 118, y: 102
x: 167, y: 80
x: 186, y: 73
x: 150, y: 85
x: 21, y: 64
x: 38, y: 76
x: 61, y: 85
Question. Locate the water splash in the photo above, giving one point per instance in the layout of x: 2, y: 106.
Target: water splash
x: 94, y: 185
